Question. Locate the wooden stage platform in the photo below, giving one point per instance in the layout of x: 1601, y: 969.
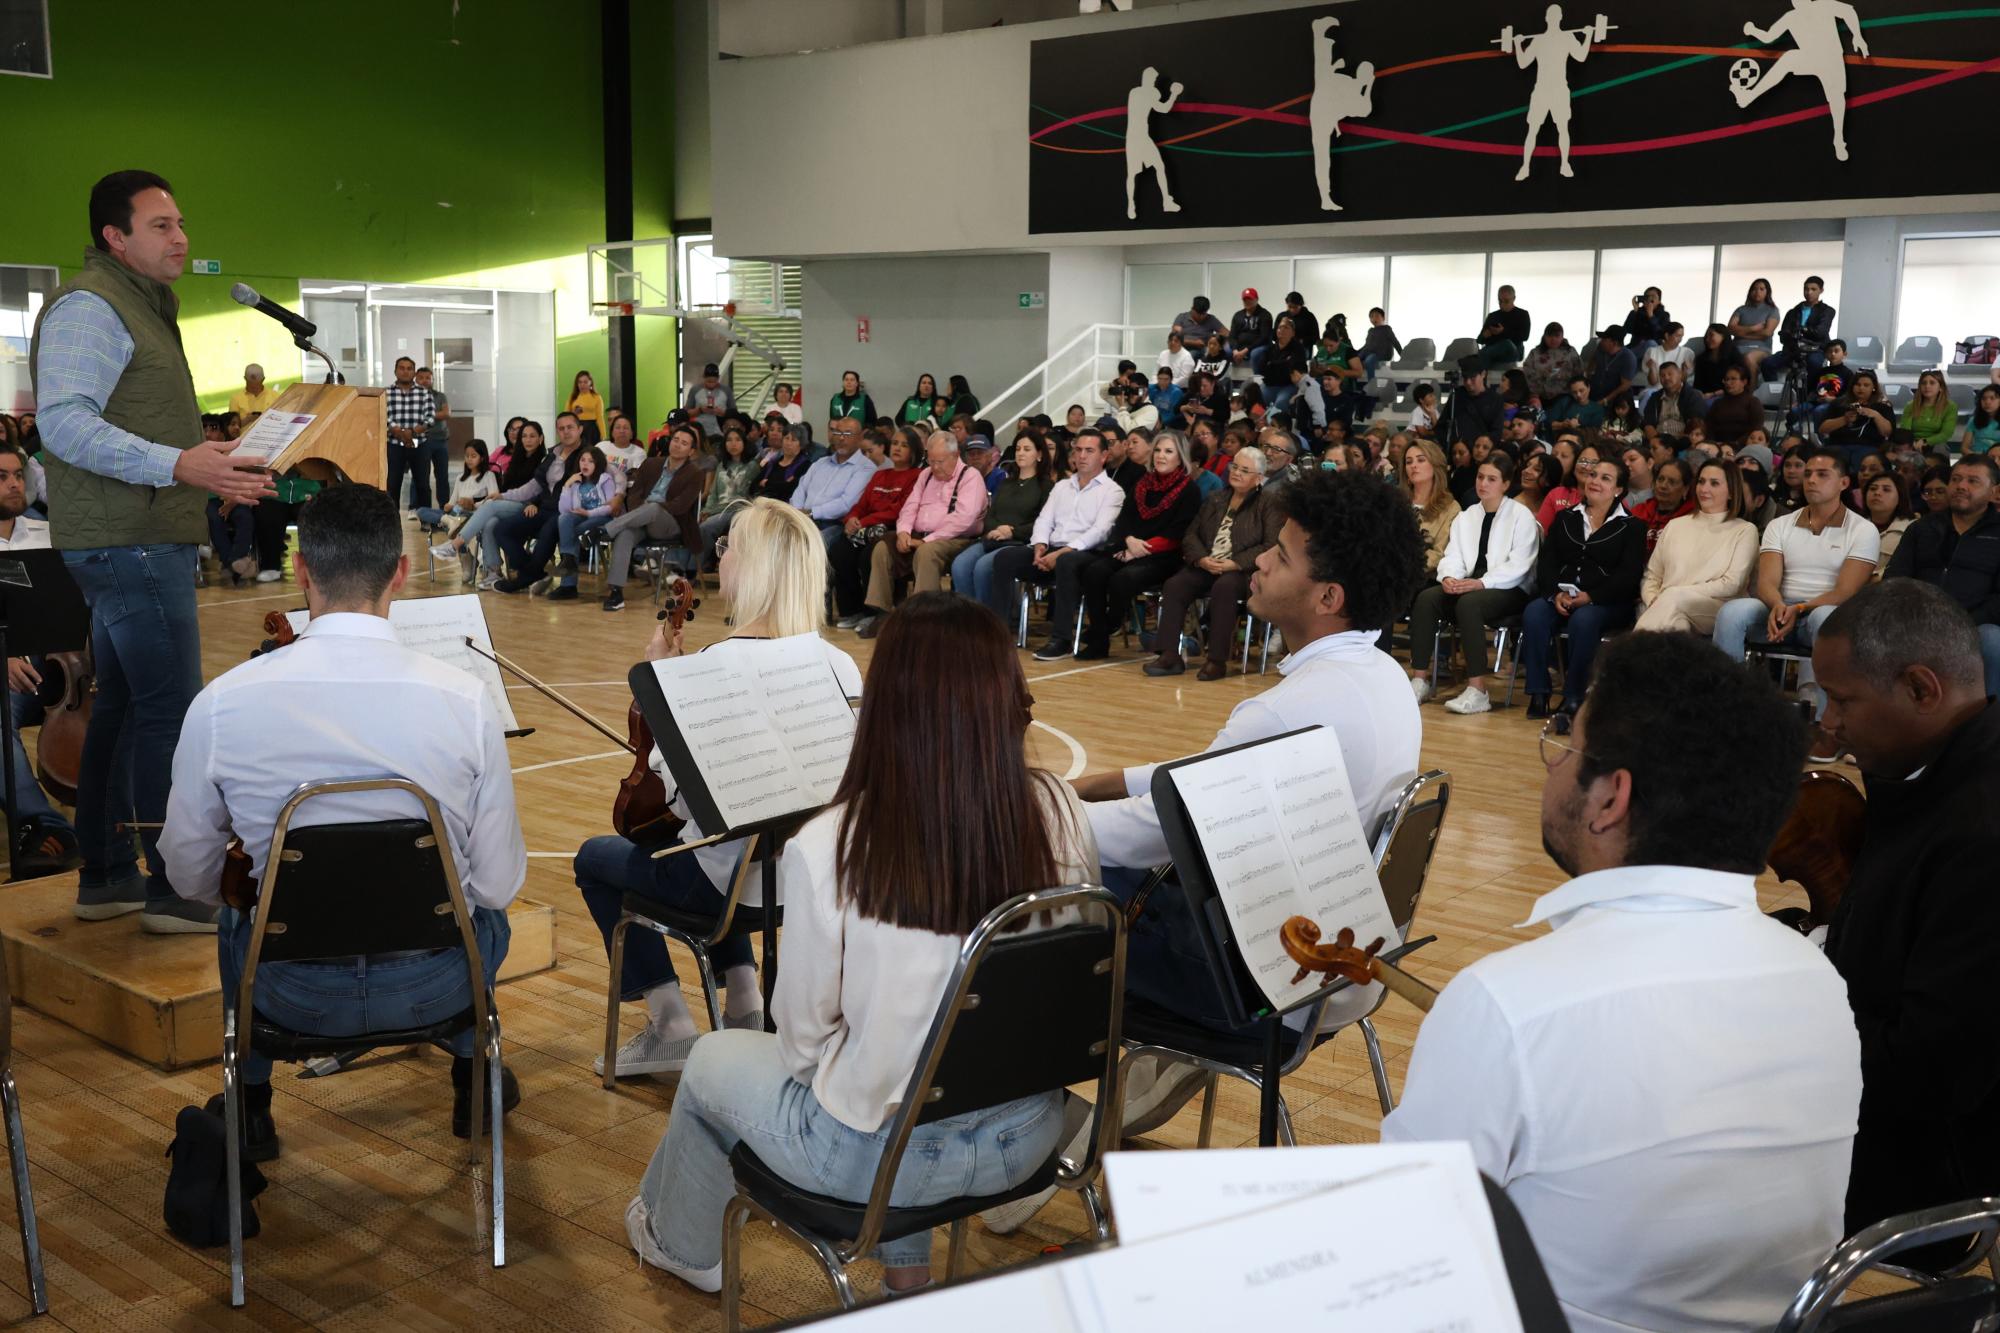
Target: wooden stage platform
x: 156, y: 997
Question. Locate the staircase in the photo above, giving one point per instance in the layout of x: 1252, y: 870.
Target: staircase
x: 1076, y: 373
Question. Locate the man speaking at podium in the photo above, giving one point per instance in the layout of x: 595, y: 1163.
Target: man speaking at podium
x: 129, y: 478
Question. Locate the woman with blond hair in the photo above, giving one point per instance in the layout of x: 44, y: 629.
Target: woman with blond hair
x: 773, y: 570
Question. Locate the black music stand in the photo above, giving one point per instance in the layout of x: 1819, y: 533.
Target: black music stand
x: 774, y: 830
x: 1242, y: 997
x: 42, y: 611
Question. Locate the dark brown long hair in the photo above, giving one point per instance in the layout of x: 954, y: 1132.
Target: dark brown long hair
x: 942, y: 821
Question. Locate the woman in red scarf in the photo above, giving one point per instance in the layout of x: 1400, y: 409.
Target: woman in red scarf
x: 1144, y: 549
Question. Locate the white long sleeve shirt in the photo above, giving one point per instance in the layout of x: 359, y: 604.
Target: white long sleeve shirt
x: 345, y: 701
x: 856, y: 996
x: 1511, y: 547
x: 1667, y: 1087
x: 1079, y: 517
x: 1341, y: 682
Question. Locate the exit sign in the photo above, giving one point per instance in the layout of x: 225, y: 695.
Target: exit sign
x: 205, y: 265
x: 1034, y: 300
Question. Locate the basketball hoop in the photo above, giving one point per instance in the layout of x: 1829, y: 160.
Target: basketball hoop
x: 608, y: 309
x: 729, y: 309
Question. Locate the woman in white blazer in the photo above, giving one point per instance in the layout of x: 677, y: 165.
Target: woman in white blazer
x: 1703, y: 559
x: 1487, y: 574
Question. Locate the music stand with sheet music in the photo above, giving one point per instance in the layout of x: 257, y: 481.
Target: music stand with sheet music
x: 692, y: 784
x: 1242, y: 998
x: 42, y: 611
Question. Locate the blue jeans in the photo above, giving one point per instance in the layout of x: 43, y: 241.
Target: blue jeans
x: 1743, y: 618
x: 1587, y: 625
x: 1989, y: 652
x: 569, y: 527
x: 736, y: 1090
x: 1500, y: 352
x: 516, y: 535
x: 609, y: 867
x: 1278, y: 397
x: 476, y: 528
x: 972, y: 571
x: 346, y: 999
x: 231, y: 536
x: 30, y: 801
x: 147, y: 646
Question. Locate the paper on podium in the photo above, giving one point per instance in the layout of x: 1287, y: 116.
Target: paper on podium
x: 267, y: 438
x: 1282, y: 837
x: 438, y: 627
x: 1400, y: 1237
x: 767, y: 724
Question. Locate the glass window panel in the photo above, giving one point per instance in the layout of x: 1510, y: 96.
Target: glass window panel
x: 1155, y: 293
x: 1685, y: 275
x: 1951, y: 289
x: 1342, y: 285
x: 1436, y: 297
x: 1786, y: 265
x: 1551, y: 285
x: 1271, y: 277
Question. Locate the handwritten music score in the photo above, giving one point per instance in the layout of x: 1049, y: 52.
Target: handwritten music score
x: 768, y: 724
x: 438, y: 627
x: 1282, y: 837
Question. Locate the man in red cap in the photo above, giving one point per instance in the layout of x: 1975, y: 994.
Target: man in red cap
x: 1250, y: 333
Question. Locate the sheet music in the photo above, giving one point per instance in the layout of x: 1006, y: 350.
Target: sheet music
x: 768, y: 724
x: 1397, y: 1249
x: 1282, y: 837
x: 438, y: 627
x: 1032, y: 1301
x: 267, y: 438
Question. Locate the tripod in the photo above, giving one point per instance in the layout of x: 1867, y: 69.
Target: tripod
x: 1800, y: 374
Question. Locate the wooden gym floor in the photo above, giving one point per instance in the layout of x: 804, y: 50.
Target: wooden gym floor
x: 368, y: 1221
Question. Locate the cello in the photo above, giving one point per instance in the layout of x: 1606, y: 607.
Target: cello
x: 1300, y: 936
x: 68, y: 689
x: 1819, y: 844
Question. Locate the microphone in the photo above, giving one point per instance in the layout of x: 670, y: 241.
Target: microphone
x: 244, y: 294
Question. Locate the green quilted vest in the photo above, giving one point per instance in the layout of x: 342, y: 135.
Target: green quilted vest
x: 154, y: 399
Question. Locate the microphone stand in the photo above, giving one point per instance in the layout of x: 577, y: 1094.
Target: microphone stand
x: 333, y: 375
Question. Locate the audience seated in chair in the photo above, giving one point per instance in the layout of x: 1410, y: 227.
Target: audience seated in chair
x: 1703, y: 558
x: 1958, y: 549
x: 1427, y: 484
x: 528, y: 538
x: 1010, y: 517
x: 735, y: 476
x: 1679, y: 1165
x: 1485, y: 575
x: 1233, y: 528
x: 1586, y: 583
x: 1144, y: 547
x: 44, y: 840
x: 518, y: 484
x: 923, y: 839
x: 774, y: 577
x: 346, y: 701
x: 871, y: 521
x: 589, y: 500
x: 660, y: 503
x: 831, y: 485
x: 1074, y: 523
x: 943, y: 510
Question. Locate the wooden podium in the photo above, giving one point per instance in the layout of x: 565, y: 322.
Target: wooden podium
x: 347, y: 439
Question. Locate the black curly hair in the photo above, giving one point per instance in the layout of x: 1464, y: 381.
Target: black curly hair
x: 1361, y: 535
x: 1734, y: 778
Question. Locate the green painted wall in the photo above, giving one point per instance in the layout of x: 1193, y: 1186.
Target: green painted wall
x: 377, y: 140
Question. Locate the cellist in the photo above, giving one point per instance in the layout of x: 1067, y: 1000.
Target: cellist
x: 43, y: 839
x: 773, y: 568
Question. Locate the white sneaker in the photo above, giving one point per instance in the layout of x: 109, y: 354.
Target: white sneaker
x: 541, y: 586
x: 1155, y: 1095
x: 268, y: 576
x: 849, y: 622
x: 650, y: 1052
x: 1421, y: 686
x: 639, y: 1231
x: 444, y: 550
x: 487, y: 581
x: 1470, y: 701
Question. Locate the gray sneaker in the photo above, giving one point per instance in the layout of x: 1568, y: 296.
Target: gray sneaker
x: 179, y: 917
x: 650, y: 1052
x: 115, y: 900
x: 750, y: 1022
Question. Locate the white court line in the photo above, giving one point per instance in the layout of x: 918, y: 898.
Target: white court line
x: 1078, y: 760
x: 578, y: 759
x: 1078, y: 671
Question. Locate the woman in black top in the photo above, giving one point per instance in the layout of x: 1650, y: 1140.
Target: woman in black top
x: 1285, y: 354
x: 1010, y: 515
x: 1717, y: 354
x: 1145, y: 545
x: 1588, y: 580
x: 784, y: 469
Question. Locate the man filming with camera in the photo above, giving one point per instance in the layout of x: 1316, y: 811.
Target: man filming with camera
x: 1803, y: 332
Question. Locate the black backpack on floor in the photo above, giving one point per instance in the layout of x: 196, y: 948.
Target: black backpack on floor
x: 197, y: 1202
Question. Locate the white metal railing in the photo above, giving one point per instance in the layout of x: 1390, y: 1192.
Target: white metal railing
x: 1076, y: 373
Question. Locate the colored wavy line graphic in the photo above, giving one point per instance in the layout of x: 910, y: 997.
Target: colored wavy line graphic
x: 1693, y: 55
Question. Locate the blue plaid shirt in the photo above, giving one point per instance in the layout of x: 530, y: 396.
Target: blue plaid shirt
x: 84, y: 351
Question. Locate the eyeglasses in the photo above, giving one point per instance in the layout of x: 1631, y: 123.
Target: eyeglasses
x: 1558, y: 725
x: 721, y: 545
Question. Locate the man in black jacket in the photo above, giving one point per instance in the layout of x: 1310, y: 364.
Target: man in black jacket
x: 1958, y: 550
x: 1804, y: 331
x: 1503, y: 339
x: 1304, y: 322
x: 1250, y: 333
x: 1917, y: 932
x: 1476, y: 410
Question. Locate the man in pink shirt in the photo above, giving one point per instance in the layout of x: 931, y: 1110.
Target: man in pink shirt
x: 939, y: 520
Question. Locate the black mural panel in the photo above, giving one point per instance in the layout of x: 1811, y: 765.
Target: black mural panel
x: 1422, y: 108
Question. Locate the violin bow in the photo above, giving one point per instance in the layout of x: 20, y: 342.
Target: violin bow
x: 498, y: 660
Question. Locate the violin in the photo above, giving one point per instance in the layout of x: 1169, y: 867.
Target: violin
x: 239, y: 888
x: 639, y: 811
x: 68, y: 690
x: 1820, y: 842
x: 1300, y: 937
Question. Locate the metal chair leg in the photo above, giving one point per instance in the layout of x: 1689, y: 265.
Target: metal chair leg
x: 733, y: 1218
x: 1021, y: 631
x: 615, y: 998
x: 706, y: 969
x: 1507, y: 645
x: 1375, y: 1065
x: 232, y: 1130
x: 954, y: 1249
x: 24, y: 1192
x: 1208, y: 1110
x: 495, y: 1074
x: 476, y: 1096
x: 1093, y: 1207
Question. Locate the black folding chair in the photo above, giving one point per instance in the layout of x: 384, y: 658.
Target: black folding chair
x: 1025, y: 1012
x: 1950, y: 1302
x: 17, y: 1150
x: 345, y: 890
x: 1403, y: 853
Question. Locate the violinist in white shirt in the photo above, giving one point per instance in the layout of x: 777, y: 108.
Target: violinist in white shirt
x: 1667, y: 1083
